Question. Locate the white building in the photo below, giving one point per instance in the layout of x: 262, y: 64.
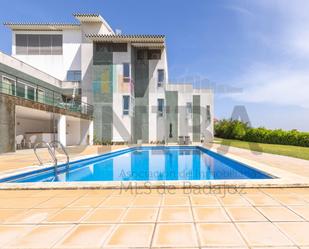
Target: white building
x: 124, y: 77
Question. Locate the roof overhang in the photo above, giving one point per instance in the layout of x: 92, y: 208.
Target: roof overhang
x: 88, y: 17
x: 42, y: 26
x: 92, y: 18
x: 137, y: 39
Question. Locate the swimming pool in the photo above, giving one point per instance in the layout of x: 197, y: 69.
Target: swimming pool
x: 157, y: 163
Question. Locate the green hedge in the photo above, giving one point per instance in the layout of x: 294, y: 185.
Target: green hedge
x: 232, y: 129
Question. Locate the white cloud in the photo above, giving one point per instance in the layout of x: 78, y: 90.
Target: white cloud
x: 268, y: 84
x: 282, y: 27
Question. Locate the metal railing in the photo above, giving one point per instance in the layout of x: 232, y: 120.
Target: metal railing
x: 52, y: 153
x: 45, y: 96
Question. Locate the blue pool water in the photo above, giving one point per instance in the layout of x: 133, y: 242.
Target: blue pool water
x: 147, y: 164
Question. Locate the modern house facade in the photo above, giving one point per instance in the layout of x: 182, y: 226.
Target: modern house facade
x: 122, y: 78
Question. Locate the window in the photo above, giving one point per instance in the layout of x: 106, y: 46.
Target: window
x: 160, y: 77
x: 43, y: 44
x: 126, y: 105
x: 111, y: 47
x: 208, y: 114
x: 154, y: 54
x: 20, y: 89
x: 160, y: 107
x: 126, y: 72
x: 7, y: 85
x: 74, y: 75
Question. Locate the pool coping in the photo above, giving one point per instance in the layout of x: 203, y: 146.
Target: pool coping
x: 283, y: 178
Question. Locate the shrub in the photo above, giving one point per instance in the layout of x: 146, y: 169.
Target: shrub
x: 232, y: 129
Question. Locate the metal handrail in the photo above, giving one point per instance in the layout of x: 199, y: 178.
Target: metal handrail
x: 55, y: 142
x: 49, y: 150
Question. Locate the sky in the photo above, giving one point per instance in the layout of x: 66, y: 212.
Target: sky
x: 253, y: 53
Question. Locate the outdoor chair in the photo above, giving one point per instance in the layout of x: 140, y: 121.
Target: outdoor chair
x: 19, y: 140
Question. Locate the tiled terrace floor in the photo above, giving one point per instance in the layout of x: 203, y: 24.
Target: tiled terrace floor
x: 252, y: 218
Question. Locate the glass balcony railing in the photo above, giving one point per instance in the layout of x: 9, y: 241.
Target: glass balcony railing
x: 44, y: 96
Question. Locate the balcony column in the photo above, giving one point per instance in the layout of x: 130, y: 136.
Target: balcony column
x: 90, y: 132
x: 62, y: 129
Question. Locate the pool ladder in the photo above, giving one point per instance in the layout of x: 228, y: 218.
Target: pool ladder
x: 52, y: 153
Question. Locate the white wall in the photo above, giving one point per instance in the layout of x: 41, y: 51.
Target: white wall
x: 24, y: 125
x: 78, y: 131
x: 55, y: 65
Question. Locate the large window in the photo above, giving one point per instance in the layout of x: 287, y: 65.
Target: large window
x: 43, y: 44
x: 160, y: 107
x: 74, y: 75
x: 126, y: 105
x: 160, y: 77
x: 126, y: 72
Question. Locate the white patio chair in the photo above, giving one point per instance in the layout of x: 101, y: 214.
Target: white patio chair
x: 31, y: 142
x: 19, y: 140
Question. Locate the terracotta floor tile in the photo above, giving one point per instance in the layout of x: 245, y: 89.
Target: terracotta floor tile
x: 172, y: 200
x: 175, y: 235
x: 105, y: 215
x: 88, y: 202
x: 68, y: 215
x: 279, y: 214
x: 129, y: 235
x: 219, y: 234
x: 9, y: 233
x: 245, y: 214
x: 233, y: 200
x: 296, y: 231
x: 33, y: 216
x: 263, y: 234
x: 100, y: 193
x: 261, y: 200
x: 86, y: 236
x: 303, y: 211
x: 41, y: 237
x: 117, y: 201
x: 210, y: 214
x: 76, y: 193
x: 280, y: 247
x: 290, y: 199
x: 21, y: 202
x: 147, y: 201
x: 175, y: 214
x: 204, y: 200
x: 57, y: 202
x: 7, y: 214
x: 141, y: 215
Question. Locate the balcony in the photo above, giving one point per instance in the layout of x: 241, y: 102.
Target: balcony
x: 45, y: 96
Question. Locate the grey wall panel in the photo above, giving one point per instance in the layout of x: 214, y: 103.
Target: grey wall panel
x: 196, y: 118
x: 7, y: 125
x: 141, y: 92
x: 171, y: 116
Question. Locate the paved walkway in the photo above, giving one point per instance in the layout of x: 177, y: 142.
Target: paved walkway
x: 23, y: 158
x: 291, y: 164
x: 265, y: 218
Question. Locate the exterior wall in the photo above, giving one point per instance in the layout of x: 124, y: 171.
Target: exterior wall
x: 207, y: 127
x: 122, y: 124
x: 7, y: 124
x: 141, y: 94
x: 55, y: 65
x: 196, y: 118
x: 157, y: 131
x: 172, y: 116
